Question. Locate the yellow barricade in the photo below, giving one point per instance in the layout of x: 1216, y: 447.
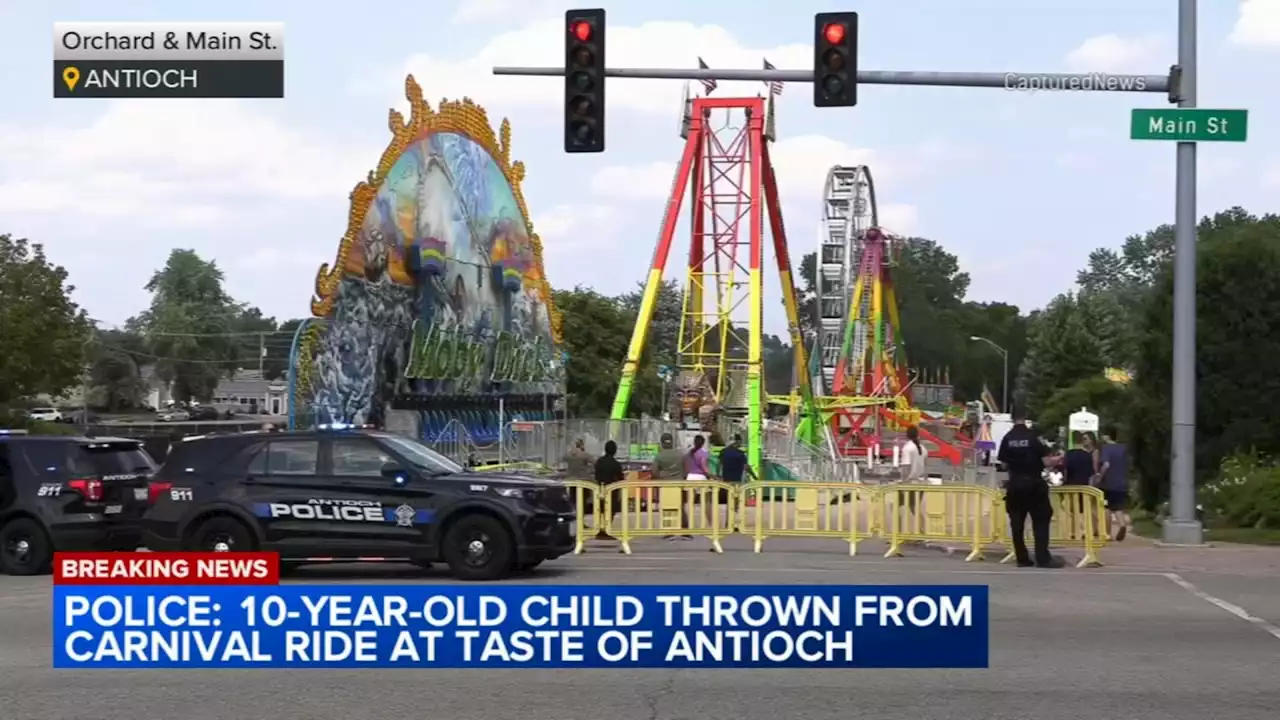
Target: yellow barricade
x: 1079, y: 520
x: 658, y: 508
x: 964, y: 514
x: 808, y: 509
x: 585, y: 497
x: 531, y: 468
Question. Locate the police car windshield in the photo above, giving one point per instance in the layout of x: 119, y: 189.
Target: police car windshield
x: 423, y: 457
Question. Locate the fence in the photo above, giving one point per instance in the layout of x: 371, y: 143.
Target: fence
x: 966, y: 516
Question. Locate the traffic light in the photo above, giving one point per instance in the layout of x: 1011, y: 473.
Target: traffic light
x: 584, y: 81
x: 835, y: 59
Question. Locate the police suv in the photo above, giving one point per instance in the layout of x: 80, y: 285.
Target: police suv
x: 350, y: 494
x: 68, y: 493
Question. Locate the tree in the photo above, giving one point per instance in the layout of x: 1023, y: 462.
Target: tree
x: 596, y: 337
x: 807, y: 296
x: 115, y: 378
x: 1106, y: 399
x: 189, y: 325
x: 1237, y: 314
x: 1062, y: 349
x: 44, y: 332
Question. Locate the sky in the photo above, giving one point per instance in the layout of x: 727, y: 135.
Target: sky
x: 1020, y: 186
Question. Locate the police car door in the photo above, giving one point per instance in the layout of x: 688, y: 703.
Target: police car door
x: 302, y: 508
x: 366, y: 469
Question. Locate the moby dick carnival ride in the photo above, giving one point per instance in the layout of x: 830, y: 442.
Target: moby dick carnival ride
x: 437, y: 316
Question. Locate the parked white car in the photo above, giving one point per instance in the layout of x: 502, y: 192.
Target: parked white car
x: 46, y: 414
x: 174, y: 415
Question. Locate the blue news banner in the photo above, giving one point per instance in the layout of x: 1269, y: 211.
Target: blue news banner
x: 390, y: 626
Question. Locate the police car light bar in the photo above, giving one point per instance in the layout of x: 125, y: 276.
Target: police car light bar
x: 14, y: 432
x: 343, y: 426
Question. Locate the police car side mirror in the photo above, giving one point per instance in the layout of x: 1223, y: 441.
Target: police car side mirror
x: 392, y: 471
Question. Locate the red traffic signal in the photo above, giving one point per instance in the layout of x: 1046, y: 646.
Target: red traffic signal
x: 834, y: 33
x: 581, y: 30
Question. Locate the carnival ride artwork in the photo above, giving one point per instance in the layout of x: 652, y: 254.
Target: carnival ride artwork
x: 438, y: 301
x: 725, y: 168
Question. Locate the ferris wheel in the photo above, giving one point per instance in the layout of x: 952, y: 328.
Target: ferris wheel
x: 848, y: 212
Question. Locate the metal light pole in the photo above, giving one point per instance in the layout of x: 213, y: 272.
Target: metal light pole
x: 1182, y: 528
x: 1004, y: 383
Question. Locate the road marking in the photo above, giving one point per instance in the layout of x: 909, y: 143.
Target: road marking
x: 1223, y: 604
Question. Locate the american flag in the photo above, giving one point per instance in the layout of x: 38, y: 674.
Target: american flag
x: 775, y: 86
x: 709, y: 84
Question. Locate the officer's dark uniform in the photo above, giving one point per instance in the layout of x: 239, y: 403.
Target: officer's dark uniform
x: 1027, y: 493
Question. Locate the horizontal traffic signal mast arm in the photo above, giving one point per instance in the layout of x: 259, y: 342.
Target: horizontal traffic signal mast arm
x: 1087, y: 82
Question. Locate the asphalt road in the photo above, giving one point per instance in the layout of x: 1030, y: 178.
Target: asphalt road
x: 1113, y: 644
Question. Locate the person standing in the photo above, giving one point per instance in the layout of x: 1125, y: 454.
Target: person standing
x: 1113, y: 481
x: 913, y: 456
x: 608, y: 471
x: 669, y: 465
x: 734, y: 467
x: 578, y: 460
x: 1080, y: 464
x: 1027, y: 493
x: 697, y: 460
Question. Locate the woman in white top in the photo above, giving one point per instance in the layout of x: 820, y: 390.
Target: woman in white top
x: 913, y: 455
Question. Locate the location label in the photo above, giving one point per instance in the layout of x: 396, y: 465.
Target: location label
x: 70, y: 76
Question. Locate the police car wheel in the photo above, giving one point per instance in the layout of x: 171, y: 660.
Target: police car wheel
x: 221, y: 534
x: 478, y: 547
x: 24, y: 548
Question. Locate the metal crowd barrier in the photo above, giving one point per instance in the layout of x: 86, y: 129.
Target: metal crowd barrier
x: 965, y: 515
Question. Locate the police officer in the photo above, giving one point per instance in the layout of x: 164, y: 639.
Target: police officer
x: 1026, y: 492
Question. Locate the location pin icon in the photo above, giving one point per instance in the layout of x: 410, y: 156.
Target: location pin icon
x: 71, y: 76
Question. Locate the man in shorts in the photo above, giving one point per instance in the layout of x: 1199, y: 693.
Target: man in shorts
x: 1113, y: 481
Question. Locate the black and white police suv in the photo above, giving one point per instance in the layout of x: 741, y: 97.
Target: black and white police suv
x: 68, y: 493
x: 349, y: 494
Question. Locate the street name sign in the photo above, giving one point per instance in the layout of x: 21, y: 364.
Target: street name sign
x: 1189, y: 125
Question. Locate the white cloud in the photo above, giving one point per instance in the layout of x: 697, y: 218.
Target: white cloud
x: 568, y: 229
x: 899, y: 218
x: 172, y: 162
x: 635, y: 182
x: 1258, y: 24
x: 652, y: 45
x: 1115, y: 54
x: 801, y: 164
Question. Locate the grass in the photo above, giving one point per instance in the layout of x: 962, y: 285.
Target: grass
x: 1147, y: 526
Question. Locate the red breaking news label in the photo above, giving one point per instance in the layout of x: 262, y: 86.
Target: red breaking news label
x: 166, y: 568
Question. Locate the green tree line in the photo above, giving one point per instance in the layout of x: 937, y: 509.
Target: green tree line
x: 1117, y: 315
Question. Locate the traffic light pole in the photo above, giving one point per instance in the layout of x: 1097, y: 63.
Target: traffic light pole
x: 1086, y: 82
x: 1182, y: 526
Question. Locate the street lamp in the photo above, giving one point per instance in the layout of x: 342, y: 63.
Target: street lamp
x: 1004, y: 385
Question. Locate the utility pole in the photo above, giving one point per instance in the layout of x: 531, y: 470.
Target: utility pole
x: 262, y: 353
x: 84, y: 380
x: 1181, y: 527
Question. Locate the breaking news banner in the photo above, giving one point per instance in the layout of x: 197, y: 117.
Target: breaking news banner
x: 218, y: 610
x: 168, y: 60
